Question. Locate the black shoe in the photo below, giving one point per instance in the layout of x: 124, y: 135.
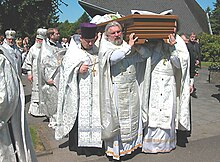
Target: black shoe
x: 194, y: 89
x: 188, y: 133
x: 194, y: 95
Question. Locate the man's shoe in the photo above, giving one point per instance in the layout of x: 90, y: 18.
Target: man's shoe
x: 194, y: 95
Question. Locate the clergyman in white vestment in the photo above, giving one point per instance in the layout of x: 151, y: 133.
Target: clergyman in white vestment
x: 120, y: 100
x: 15, y: 141
x: 168, y: 108
x: 30, y: 64
x: 78, y: 104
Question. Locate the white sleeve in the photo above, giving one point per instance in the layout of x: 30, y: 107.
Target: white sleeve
x: 119, y: 54
x: 9, y: 91
x: 175, y: 61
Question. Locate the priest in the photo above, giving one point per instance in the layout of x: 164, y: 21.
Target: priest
x: 78, y: 112
x: 30, y: 64
x: 121, y: 116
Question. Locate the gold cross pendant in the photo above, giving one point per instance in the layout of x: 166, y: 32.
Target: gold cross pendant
x: 93, y: 71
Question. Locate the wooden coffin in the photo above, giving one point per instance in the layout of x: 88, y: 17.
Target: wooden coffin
x: 145, y: 26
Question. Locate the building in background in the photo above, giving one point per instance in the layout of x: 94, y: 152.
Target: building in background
x: 192, y: 18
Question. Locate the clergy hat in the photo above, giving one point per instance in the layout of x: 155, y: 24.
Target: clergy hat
x: 10, y: 34
x: 41, y: 33
x: 88, y: 30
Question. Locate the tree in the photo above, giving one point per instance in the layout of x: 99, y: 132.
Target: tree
x: 25, y: 16
x: 208, y: 11
x: 215, y: 18
x: 210, y: 47
x: 83, y: 18
x: 67, y: 29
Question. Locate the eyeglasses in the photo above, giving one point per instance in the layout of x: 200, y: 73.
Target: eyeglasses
x: 56, y: 33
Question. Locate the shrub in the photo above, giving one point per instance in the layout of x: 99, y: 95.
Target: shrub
x: 210, y: 49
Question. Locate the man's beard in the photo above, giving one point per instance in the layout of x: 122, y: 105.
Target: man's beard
x: 118, y: 41
x: 10, y: 43
x: 38, y: 45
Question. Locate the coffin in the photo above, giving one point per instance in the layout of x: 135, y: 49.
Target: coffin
x: 145, y: 26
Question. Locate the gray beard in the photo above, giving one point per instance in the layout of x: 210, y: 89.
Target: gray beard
x: 118, y: 42
x: 10, y: 44
x: 38, y: 45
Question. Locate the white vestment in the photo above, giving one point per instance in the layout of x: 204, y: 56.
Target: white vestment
x: 120, y: 100
x: 15, y: 140
x: 183, y: 84
x: 30, y: 64
x: 164, y: 109
x: 79, y: 96
x: 16, y: 55
x: 49, y: 61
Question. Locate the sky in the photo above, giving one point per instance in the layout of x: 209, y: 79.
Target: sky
x: 73, y: 11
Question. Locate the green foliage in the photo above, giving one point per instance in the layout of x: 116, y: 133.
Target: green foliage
x: 205, y: 64
x: 210, y: 48
x: 215, y: 18
x: 67, y: 29
x: 26, y: 16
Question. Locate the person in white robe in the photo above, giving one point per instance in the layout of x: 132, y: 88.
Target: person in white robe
x: 30, y: 65
x: 78, y: 102
x: 15, y: 141
x: 168, y: 108
x: 120, y: 101
x: 49, y: 61
x: 10, y: 45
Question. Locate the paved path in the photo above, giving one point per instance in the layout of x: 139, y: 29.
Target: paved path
x: 202, y: 146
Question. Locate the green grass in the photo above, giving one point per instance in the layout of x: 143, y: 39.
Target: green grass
x: 38, y: 144
x: 33, y: 133
x: 205, y: 64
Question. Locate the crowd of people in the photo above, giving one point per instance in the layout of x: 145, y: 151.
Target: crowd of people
x: 108, y: 96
